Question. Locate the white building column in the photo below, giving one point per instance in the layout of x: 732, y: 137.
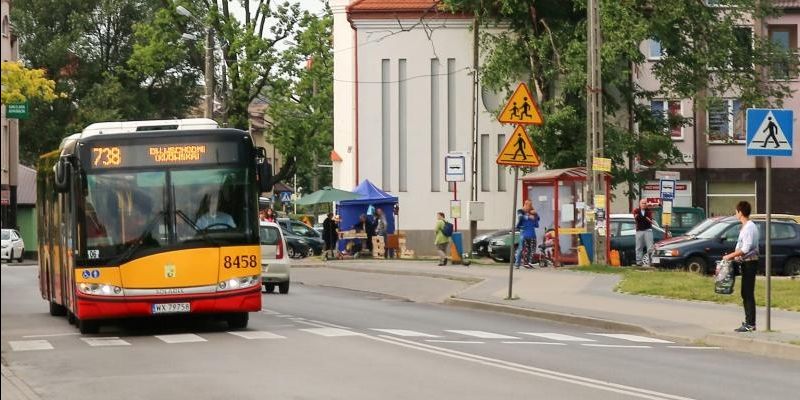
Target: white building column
x: 344, y: 97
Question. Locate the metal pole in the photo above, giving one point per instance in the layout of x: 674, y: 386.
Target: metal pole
x: 473, y: 225
x: 455, y: 198
x: 768, y: 244
x: 513, y: 238
x: 209, y: 110
x: 589, y: 186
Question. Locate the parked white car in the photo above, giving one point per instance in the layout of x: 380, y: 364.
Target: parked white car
x: 13, y: 245
x: 275, y: 262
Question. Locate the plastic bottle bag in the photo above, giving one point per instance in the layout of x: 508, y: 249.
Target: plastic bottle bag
x: 724, y: 278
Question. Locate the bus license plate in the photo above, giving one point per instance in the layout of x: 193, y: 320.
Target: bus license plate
x: 167, y: 308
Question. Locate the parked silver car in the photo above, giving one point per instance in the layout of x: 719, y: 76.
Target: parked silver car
x: 13, y: 245
x: 275, y: 261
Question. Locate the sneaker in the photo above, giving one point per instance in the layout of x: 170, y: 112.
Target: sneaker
x: 745, y: 328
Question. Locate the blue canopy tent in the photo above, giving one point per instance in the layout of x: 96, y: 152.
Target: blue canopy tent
x: 351, y: 210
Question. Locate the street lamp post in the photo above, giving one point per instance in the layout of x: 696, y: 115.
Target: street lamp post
x: 208, y: 112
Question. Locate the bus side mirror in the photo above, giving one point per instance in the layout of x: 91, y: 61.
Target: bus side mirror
x: 264, y: 171
x: 62, y: 171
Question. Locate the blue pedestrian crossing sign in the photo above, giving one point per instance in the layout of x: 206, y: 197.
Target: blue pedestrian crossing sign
x: 286, y: 197
x: 769, y: 132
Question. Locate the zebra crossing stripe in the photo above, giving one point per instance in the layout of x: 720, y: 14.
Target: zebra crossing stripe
x: 257, y: 335
x: 331, y: 332
x: 105, y: 341
x: 558, y: 336
x: 482, y: 334
x: 406, y: 333
x: 30, y: 345
x: 180, y: 338
x: 631, y: 338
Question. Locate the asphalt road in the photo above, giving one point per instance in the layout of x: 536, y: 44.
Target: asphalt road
x: 327, y: 343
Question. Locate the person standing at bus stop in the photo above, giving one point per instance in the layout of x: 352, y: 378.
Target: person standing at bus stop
x: 644, y: 230
x: 330, y: 233
x: 440, y: 239
x: 746, y: 256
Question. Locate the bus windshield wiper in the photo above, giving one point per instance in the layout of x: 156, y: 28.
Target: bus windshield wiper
x: 197, y: 229
x: 139, y: 240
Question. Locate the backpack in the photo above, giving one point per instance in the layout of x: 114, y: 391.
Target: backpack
x: 447, y: 230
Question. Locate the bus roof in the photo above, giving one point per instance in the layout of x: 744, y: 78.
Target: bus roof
x: 138, y: 126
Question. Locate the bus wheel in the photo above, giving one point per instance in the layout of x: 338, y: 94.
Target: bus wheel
x: 238, y: 320
x: 88, y: 326
x: 71, y: 318
x: 57, y: 309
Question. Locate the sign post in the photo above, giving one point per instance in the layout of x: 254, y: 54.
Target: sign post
x: 769, y: 133
x: 455, y: 170
x: 521, y: 109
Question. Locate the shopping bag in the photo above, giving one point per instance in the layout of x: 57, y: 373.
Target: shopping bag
x: 724, y: 278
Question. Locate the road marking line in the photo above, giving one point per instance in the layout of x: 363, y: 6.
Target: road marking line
x: 180, y: 338
x: 456, y: 341
x: 30, y: 345
x: 331, y: 332
x: 558, y: 336
x: 53, y: 335
x: 694, y: 347
x: 540, y: 372
x: 482, y: 334
x: 631, y: 338
x: 405, y: 333
x: 105, y: 341
x: 547, y: 343
x: 618, y: 346
x: 257, y: 335
x: 329, y: 324
x: 269, y: 312
x: 285, y: 316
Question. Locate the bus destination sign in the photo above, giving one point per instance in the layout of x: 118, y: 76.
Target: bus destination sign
x: 149, y: 155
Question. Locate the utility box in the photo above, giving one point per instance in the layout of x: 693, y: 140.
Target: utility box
x: 475, y: 210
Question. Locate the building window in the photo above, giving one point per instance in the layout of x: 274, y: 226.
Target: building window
x: 402, y: 89
x: 742, y: 57
x: 386, y: 176
x: 451, y: 104
x: 5, y: 26
x: 671, y: 110
x: 723, y: 196
x: 501, y: 170
x: 785, y: 37
x: 654, y: 50
x: 486, y: 164
x: 726, y: 121
x: 435, y: 128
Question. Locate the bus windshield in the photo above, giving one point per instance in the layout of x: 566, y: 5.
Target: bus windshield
x: 127, y: 212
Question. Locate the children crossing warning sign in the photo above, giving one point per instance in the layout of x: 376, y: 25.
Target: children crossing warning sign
x: 519, y: 151
x: 521, y: 108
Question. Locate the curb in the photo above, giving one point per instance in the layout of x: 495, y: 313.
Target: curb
x: 547, y: 315
x: 755, y: 346
x: 16, y: 388
x: 407, y: 273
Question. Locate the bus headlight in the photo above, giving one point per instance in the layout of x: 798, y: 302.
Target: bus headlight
x: 239, y: 282
x: 100, y: 289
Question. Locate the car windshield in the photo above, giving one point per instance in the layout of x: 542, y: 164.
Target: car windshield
x: 701, y: 227
x: 6, y: 234
x: 269, y: 235
x: 714, y: 231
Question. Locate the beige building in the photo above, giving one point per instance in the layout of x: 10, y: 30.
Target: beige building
x: 9, y: 141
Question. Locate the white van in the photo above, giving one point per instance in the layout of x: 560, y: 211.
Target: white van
x: 275, y: 264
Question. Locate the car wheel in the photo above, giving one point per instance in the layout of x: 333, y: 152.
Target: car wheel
x: 291, y: 252
x: 283, y: 288
x: 792, y: 267
x: 697, y: 265
x: 238, y: 320
x: 21, y: 256
x: 310, y: 252
x: 88, y: 326
x: 57, y: 310
x: 269, y: 287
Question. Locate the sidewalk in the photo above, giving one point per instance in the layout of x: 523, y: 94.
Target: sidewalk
x: 589, y: 299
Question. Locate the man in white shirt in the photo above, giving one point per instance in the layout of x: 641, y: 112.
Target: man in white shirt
x: 746, y: 254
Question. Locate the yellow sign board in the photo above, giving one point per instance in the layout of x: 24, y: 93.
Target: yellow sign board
x: 571, y: 231
x: 521, y: 108
x: 600, y: 201
x: 519, y: 151
x: 601, y: 164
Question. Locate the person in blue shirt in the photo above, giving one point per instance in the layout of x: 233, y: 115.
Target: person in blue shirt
x: 213, y: 218
x: 528, y: 221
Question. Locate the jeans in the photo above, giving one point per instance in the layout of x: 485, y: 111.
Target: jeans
x: 749, y: 269
x: 518, y: 253
x: 643, y: 238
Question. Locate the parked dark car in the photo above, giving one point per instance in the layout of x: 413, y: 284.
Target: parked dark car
x: 623, y: 237
x: 480, y: 245
x: 298, y: 234
x: 683, y: 219
x: 700, y: 253
x: 696, y: 230
x: 498, y: 246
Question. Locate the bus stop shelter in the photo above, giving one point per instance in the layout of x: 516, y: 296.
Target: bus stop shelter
x: 557, y: 195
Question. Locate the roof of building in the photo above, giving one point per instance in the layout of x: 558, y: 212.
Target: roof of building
x: 396, y: 8
x: 26, y: 185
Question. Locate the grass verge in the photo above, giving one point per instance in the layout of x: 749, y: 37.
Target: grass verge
x: 691, y: 286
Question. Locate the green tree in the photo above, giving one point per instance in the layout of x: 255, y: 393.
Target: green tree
x: 705, y: 52
x: 21, y: 84
x: 301, y: 101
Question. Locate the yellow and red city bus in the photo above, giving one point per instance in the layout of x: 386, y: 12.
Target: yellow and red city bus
x: 146, y: 218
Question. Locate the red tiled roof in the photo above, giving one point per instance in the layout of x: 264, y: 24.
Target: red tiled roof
x: 392, y: 5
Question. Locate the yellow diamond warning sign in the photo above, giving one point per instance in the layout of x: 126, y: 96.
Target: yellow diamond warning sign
x: 521, y: 109
x: 519, y: 151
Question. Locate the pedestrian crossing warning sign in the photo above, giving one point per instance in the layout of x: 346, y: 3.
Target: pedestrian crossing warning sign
x: 521, y: 108
x: 519, y: 151
x: 769, y: 132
